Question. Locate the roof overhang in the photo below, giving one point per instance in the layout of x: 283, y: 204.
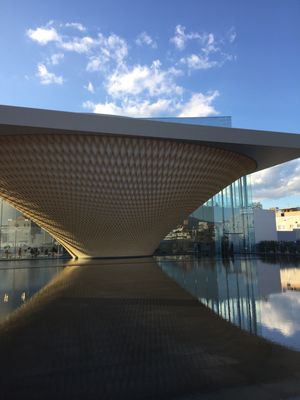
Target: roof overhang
x: 265, y: 147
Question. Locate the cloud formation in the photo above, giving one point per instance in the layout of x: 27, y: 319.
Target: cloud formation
x: 79, y: 45
x: 181, y: 38
x: 46, y: 77
x: 76, y: 25
x: 56, y: 58
x: 276, y: 182
x: 90, y: 88
x: 198, y: 105
x: 145, y: 39
x: 281, y: 312
x: 195, y: 61
x: 209, y: 51
x: 43, y: 35
x: 152, y: 80
x: 126, y: 87
x: 130, y: 107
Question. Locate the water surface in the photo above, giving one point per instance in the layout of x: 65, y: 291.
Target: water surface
x: 20, y: 280
x: 260, y: 296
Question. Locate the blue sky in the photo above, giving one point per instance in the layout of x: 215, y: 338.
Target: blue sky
x: 167, y: 58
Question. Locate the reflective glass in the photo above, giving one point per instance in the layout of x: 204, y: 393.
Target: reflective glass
x: 224, y: 224
x: 22, y: 238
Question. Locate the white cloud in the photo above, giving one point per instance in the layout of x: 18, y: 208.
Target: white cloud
x: 130, y: 108
x: 56, y: 58
x: 90, y: 87
x: 104, y: 108
x: 43, y: 35
x: 206, y: 47
x: 281, y: 312
x: 76, y: 25
x: 95, y: 64
x: 231, y: 34
x: 144, y: 38
x: 140, y: 90
x: 277, y: 182
x: 206, y: 40
x: 181, y: 38
x: 195, y: 61
x: 200, y: 105
x: 108, y: 49
x: 142, y: 78
x: 113, y: 47
x: 100, y: 49
x: 46, y: 77
x: 79, y: 45
x: 209, y: 44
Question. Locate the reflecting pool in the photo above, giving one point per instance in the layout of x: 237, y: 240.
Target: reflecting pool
x: 260, y: 296
x: 20, y: 280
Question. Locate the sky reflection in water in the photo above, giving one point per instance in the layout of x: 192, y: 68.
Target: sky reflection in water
x: 262, y: 297
x: 259, y: 296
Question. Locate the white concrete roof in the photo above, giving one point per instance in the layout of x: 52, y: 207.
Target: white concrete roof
x: 265, y: 147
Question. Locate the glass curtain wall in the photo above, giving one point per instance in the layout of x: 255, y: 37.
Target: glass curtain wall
x: 224, y: 224
x: 22, y: 238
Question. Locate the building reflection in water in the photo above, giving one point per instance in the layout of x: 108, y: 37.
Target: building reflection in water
x: 260, y: 296
x: 20, y: 281
x: 228, y: 288
x: 256, y: 295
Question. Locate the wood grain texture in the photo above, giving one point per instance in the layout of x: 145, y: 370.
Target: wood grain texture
x: 111, y: 196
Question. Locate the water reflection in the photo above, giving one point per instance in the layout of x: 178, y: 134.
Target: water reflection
x: 260, y: 296
x: 21, y: 280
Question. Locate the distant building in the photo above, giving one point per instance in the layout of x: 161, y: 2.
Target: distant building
x: 290, y: 279
x: 288, y: 224
x: 264, y: 225
x: 288, y: 219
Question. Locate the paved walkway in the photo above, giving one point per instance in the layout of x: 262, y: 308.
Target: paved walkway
x: 126, y: 331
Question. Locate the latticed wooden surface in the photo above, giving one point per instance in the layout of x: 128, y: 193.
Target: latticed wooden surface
x: 110, y: 196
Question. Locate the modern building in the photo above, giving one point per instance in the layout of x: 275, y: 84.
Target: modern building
x: 264, y: 225
x: 225, y: 223
x: 107, y: 186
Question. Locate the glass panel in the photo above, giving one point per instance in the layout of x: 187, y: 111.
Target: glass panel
x: 22, y: 238
x: 224, y: 224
